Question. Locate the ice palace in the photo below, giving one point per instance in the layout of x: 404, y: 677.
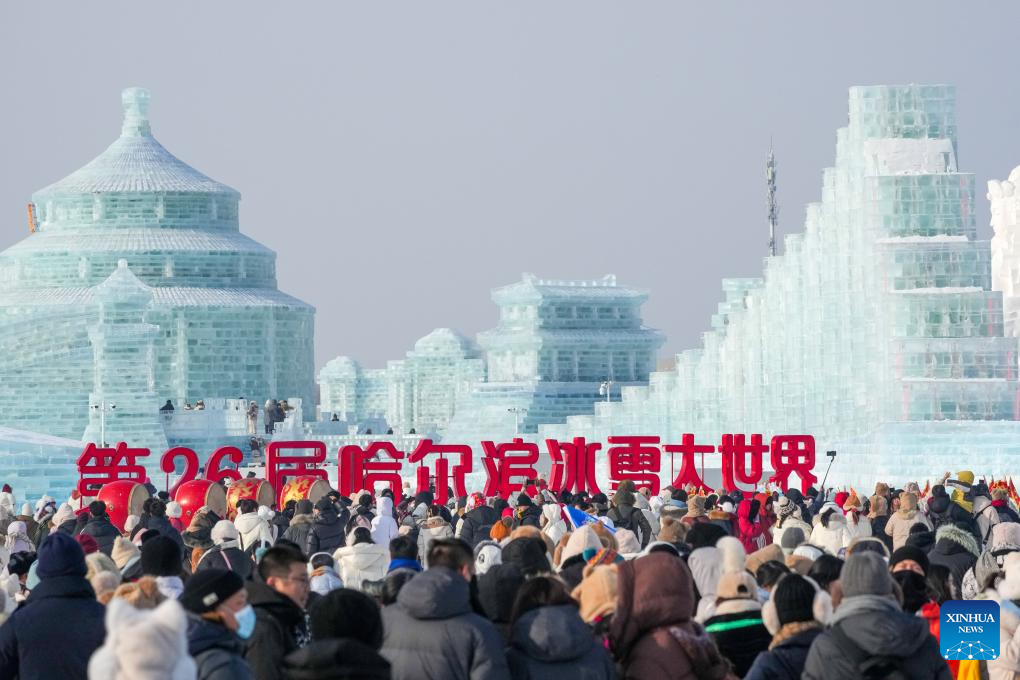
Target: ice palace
x: 885, y: 329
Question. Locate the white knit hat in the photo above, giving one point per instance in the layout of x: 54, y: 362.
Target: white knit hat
x: 174, y: 509
x: 224, y: 531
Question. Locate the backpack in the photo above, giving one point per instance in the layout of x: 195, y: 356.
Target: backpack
x: 868, y: 665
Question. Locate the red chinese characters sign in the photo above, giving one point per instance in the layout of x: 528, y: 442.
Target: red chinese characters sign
x: 507, y: 466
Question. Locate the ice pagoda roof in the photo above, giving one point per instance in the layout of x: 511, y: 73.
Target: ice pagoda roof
x: 174, y: 296
x: 122, y: 286
x: 135, y: 162
x: 142, y: 240
x: 444, y: 339
x: 531, y: 289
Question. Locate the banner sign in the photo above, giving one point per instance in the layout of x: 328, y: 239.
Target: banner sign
x: 507, y: 465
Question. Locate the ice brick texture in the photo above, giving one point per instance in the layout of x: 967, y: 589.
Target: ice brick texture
x: 216, y: 325
x: 876, y: 330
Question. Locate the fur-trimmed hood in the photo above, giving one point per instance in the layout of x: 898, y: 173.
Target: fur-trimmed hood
x: 961, y: 537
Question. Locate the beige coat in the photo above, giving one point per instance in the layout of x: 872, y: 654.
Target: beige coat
x: 1007, y: 666
x: 899, y: 525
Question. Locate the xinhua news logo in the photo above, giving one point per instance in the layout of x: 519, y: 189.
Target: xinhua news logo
x: 969, y: 629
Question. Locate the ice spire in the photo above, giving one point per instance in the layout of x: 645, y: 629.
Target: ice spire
x: 135, y: 101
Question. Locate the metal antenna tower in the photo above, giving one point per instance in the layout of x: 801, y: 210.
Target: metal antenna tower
x: 770, y: 178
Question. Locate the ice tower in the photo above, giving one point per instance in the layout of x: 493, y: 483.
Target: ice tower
x: 216, y: 325
x: 417, y: 392
x: 876, y: 330
x: 556, y: 345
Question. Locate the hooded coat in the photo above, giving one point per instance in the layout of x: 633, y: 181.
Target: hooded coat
x: 297, y: 531
x: 553, y: 643
x: 384, y: 527
x: 101, y: 529
x: 956, y: 549
x: 555, y: 528
x: 878, y: 627
x: 336, y: 659
x: 431, y: 633
x: 326, y: 534
x: 942, y: 510
x: 900, y: 522
x: 35, y: 642
x: 362, y: 562
x: 217, y: 651
x: 252, y: 530
x: 985, y: 516
x: 434, y: 528
x: 476, y: 524
x: 279, y: 628
x: 785, y: 660
x: 830, y: 532
x: 750, y: 528
x: 144, y: 643
x: 652, y: 632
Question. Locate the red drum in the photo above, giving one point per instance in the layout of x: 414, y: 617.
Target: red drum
x: 201, y: 492
x: 304, y: 488
x: 258, y: 490
x: 123, y: 497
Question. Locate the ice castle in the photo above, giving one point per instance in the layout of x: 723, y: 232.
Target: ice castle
x: 877, y: 330
x: 135, y: 286
x: 418, y: 392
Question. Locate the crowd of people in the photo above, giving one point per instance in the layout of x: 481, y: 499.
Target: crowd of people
x: 768, y: 585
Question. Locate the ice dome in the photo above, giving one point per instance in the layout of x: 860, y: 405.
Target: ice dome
x: 224, y: 329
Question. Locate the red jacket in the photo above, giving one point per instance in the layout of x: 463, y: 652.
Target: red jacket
x: 749, y: 531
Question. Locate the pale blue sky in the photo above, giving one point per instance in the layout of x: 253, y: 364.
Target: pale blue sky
x: 403, y: 158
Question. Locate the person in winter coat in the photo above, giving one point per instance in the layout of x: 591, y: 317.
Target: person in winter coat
x: 128, y: 559
x: 857, y: 523
x: 267, y: 515
x: 327, y: 532
x: 942, y: 510
x: 553, y: 527
x: 221, y: 618
x: 322, y: 572
x: 985, y: 514
x: 477, y: 522
x: 347, y: 630
x: 384, y: 527
x: 34, y: 642
x: 300, y: 523
x: 278, y: 593
x: 435, y: 527
x: 174, y: 511
x: 528, y: 514
x: 1007, y: 665
x: 750, y: 530
x: 99, y: 527
x: 362, y: 560
x: 956, y: 549
x: 869, y: 628
x: 226, y: 552
x: 17, y: 539
x: 706, y: 569
x: 548, y: 639
x: 652, y: 632
x: 253, y: 530
x: 790, y: 617
x: 642, y: 503
x: 736, y: 625
x: 830, y: 532
x: 1000, y: 501
x: 431, y: 633
x: 158, y: 521
x: 879, y: 516
x: 695, y: 511
x: 625, y: 516
x: 64, y: 520
x: 983, y: 578
x: 899, y: 524
x: 723, y: 515
x: 144, y: 643
x: 788, y: 515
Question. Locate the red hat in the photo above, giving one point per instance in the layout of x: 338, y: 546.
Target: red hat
x: 508, y: 512
x: 841, y: 498
x: 88, y: 544
x: 6, y: 489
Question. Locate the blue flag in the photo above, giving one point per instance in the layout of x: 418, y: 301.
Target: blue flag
x: 579, y: 518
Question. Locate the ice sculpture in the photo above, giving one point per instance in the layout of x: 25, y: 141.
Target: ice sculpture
x: 876, y: 331
x: 418, y: 392
x: 559, y: 347
x: 35, y: 464
x: 1005, y: 205
x: 216, y: 326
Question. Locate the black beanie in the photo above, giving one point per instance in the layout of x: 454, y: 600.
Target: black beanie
x: 161, y: 556
x: 909, y: 552
x: 704, y: 535
x: 793, y: 597
x: 208, y: 588
x: 528, y: 554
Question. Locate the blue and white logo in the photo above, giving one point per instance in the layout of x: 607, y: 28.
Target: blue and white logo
x: 969, y: 629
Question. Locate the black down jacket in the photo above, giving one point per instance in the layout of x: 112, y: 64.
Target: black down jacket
x: 432, y: 634
x: 553, y: 643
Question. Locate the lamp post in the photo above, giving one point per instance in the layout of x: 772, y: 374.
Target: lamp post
x: 103, y: 408
x: 518, y: 413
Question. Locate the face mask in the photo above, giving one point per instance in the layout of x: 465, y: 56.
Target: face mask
x: 245, y: 622
x: 915, y: 590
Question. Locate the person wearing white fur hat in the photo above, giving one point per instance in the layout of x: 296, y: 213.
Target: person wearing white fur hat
x: 1007, y: 665
x: 226, y: 552
x: 794, y: 616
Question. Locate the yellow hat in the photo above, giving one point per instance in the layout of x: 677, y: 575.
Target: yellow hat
x: 965, y: 476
